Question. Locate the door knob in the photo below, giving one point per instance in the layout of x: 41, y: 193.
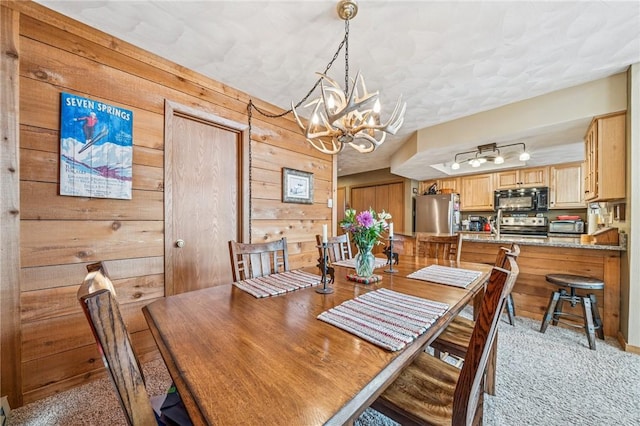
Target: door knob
x: 180, y: 243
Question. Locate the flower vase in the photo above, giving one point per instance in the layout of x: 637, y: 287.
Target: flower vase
x: 365, y: 260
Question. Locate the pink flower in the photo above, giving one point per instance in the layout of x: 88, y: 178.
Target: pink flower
x: 365, y: 219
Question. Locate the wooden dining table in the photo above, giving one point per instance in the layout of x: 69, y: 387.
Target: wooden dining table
x: 238, y: 359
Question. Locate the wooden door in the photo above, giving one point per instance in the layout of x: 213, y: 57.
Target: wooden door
x: 387, y: 197
x: 205, y: 201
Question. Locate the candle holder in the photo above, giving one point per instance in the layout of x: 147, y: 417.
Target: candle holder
x: 324, y: 289
x: 390, y: 258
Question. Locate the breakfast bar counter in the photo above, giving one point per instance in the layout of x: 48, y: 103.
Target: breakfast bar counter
x: 542, y: 256
x: 551, y: 241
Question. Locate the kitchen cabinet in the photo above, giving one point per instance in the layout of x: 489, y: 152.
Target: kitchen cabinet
x: 605, y: 158
x: 522, y: 178
x: 476, y: 192
x: 565, y: 189
x: 446, y: 183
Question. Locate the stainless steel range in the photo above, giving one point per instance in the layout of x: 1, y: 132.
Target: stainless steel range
x: 524, y: 226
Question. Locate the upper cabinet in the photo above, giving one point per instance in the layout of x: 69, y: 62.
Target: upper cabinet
x: 445, y: 183
x: 605, y: 158
x: 565, y: 189
x: 522, y: 178
x: 476, y: 192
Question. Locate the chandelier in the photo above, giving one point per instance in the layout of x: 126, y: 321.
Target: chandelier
x: 485, y: 153
x: 342, y: 116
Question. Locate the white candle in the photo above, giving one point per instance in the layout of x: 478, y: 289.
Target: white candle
x: 391, y: 230
x: 324, y: 233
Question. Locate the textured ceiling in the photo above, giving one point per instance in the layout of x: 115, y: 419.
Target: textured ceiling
x: 447, y: 59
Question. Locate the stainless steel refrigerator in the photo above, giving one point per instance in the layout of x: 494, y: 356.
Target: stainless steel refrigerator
x: 438, y: 213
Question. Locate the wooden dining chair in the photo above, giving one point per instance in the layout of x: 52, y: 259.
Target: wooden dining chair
x: 338, y: 248
x: 437, y: 246
x: 430, y: 391
x: 97, y: 297
x: 259, y: 259
x: 454, y: 340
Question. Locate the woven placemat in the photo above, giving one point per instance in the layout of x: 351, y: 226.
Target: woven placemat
x: 351, y: 263
x: 457, y: 277
x: 364, y: 280
x: 275, y: 284
x: 385, y: 317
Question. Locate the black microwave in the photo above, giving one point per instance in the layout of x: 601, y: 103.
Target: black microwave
x: 522, y: 199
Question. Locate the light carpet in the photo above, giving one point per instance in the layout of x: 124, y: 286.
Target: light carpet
x: 542, y: 379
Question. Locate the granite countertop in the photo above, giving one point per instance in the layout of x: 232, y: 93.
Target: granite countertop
x: 554, y: 241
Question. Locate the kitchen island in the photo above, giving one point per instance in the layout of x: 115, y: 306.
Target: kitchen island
x: 540, y: 256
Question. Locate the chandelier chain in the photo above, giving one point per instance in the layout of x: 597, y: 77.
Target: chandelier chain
x: 346, y: 56
x: 345, y: 41
x: 249, y: 116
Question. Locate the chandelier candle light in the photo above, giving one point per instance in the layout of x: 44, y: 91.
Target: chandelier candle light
x: 340, y: 116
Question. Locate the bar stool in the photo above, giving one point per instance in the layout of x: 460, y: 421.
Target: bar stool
x: 591, y: 317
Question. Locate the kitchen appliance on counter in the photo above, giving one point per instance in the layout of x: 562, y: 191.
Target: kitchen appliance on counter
x: 477, y: 223
x: 438, y: 213
x: 566, y: 226
x: 523, y: 225
x: 522, y: 200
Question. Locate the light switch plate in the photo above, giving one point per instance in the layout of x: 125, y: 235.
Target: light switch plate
x: 330, y: 202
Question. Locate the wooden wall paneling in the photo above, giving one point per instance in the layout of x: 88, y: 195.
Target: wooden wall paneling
x: 10, y: 375
x: 40, y: 201
x: 60, y: 55
x: 143, y: 92
x: 81, y: 40
x: 145, y: 346
x: 54, y: 335
x: 40, y: 107
x: 286, y: 212
x: 50, y: 375
x: 47, y: 140
x: 92, y: 241
x: 57, y: 367
x: 274, y: 158
x: 59, y: 301
x: 296, y: 230
x: 43, y: 166
x: 268, y: 190
x: 37, y: 278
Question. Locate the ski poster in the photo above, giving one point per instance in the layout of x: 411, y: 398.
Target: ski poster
x: 96, y: 149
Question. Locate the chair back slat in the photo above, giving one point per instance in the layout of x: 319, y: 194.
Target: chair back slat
x: 258, y: 260
x: 441, y: 247
x: 97, y: 298
x: 469, y: 385
x: 338, y: 248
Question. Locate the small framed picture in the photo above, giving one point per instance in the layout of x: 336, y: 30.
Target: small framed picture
x: 297, y: 186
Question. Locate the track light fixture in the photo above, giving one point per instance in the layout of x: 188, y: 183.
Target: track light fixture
x: 485, y: 153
